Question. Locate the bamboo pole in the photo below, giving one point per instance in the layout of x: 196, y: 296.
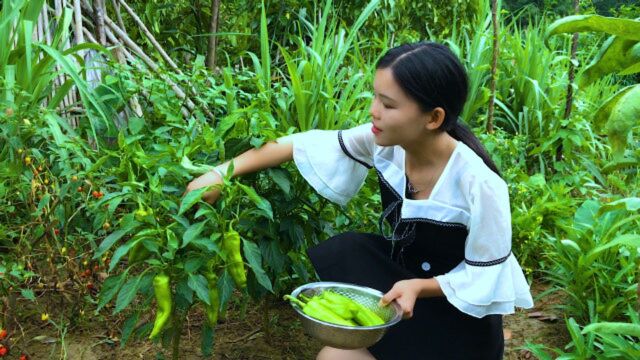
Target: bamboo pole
x: 149, y: 36
x: 116, y: 42
x: 162, y: 52
x: 99, y: 16
x: 494, y: 65
x: 116, y: 7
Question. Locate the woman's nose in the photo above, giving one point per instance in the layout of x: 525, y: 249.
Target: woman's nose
x: 373, y: 109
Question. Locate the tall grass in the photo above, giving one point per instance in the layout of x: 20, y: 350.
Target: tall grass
x: 326, y: 80
x: 28, y: 69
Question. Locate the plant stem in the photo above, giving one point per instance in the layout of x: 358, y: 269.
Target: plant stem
x: 178, y: 321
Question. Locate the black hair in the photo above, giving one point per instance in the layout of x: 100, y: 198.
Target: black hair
x: 434, y: 77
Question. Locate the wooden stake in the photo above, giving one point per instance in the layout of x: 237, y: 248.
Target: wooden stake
x: 213, y: 29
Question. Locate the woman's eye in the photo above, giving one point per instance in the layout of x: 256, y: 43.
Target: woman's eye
x: 387, y: 106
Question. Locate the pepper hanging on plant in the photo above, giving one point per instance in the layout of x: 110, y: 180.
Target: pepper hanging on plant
x: 212, y: 310
x: 162, y: 291
x: 231, y: 247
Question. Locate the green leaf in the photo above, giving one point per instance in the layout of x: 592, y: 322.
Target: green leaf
x: 192, y: 232
x: 192, y: 198
x: 193, y: 264
x: 629, y: 204
x: 571, y: 244
x: 195, y: 169
x: 633, y: 69
x: 615, y: 55
x: 625, y: 28
x: 281, y: 178
x: 631, y: 240
x: 198, y: 283
x: 128, y: 327
x: 119, y: 253
x: 109, y: 289
x: 621, y: 113
x: 136, y: 124
x: 618, y: 328
x: 254, y: 257
x: 28, y: 294
x: 108, y: 242
x: 260, y: 202
x: 127, y: 293
x: 225, y: 286
x: 172, y: 241
x: 184, y: 291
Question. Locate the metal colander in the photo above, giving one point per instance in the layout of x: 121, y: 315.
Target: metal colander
x: 347, y: 337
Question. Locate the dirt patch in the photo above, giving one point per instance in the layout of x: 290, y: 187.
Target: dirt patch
x: 243, y: 336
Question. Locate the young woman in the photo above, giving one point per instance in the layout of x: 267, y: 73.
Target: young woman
x: 444, y: 247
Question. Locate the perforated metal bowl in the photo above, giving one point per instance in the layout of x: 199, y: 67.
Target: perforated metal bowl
x: 347, y: 337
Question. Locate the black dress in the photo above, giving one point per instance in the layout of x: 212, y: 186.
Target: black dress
x: 461, y: 236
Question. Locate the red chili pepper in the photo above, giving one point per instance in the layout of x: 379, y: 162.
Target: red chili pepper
x: 24, y: 357
x: 56, y: 231
x: 3, y: 351
x: 3, y: 334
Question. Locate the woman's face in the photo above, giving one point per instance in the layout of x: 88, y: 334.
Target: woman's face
x: 397, y: 119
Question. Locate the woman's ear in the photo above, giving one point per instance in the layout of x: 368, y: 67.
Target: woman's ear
x: 435, y: 118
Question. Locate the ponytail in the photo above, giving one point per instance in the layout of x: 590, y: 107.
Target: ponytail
x: 461, y: 132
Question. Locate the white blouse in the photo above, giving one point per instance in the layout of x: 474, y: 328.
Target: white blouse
x: 489, y: 280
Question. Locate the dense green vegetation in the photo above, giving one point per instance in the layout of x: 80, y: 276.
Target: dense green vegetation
x: 85, y: 182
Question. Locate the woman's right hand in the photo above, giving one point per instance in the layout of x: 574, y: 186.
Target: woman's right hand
x: 207, y: 179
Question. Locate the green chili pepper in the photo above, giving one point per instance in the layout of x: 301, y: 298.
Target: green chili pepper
x: 138, y: 253
x: 338, y: 308
x: 231, y: 246
x: 162, y: 291
x: 362, y: 315
x: 366, y: 317
x: 316, y: 310
x: 340, y: 300
x: 213, y: 309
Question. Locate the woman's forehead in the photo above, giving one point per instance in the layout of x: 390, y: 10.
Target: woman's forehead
x: 385, y: 85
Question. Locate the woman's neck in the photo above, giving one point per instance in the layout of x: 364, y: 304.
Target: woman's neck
x: 429, y: 151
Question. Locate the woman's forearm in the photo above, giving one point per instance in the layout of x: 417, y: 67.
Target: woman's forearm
x: 269, y: 155
x: 429, y: 288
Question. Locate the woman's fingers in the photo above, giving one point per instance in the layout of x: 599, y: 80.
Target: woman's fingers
x: 407, y: 308
x: 389, y: 297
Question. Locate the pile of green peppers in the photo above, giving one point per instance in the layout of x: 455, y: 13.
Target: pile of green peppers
x: 335, y: 308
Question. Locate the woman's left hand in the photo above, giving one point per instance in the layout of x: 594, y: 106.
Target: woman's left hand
x: 405, y: 292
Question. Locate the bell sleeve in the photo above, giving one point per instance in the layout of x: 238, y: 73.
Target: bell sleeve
x: 489, y: 280
x: 334, y: 162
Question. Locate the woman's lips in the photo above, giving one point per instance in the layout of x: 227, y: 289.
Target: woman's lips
x: 375, y: 130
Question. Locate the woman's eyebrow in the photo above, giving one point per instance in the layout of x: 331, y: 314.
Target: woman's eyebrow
x: 386, y: 97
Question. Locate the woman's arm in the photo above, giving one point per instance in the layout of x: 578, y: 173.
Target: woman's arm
x: 269, y: 155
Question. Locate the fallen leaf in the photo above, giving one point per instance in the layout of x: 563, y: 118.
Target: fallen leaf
x: 535, y: 314
x: 549, y: 318
x: 507, y: 334
x: 45, y: 339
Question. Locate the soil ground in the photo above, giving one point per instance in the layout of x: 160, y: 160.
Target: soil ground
x: 242, y: 336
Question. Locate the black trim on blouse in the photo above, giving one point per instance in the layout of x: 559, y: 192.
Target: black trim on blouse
x: 344, y: 149
x: 488, y: 263
x: 417, y: 219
